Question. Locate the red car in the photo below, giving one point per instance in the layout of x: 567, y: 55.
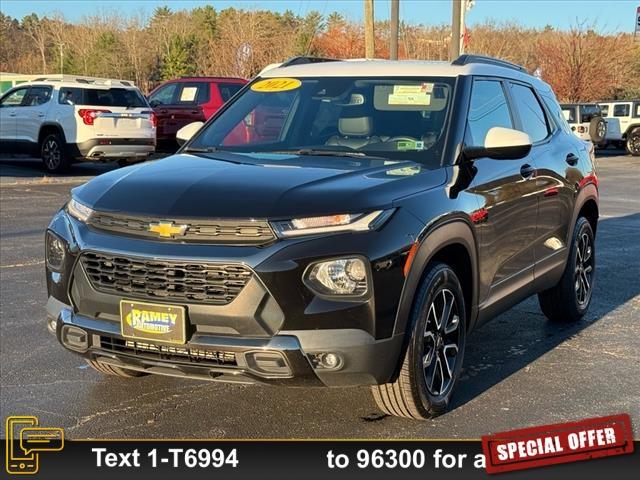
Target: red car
x: 185, y: 100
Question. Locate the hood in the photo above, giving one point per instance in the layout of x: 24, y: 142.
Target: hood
x: 226, y: 185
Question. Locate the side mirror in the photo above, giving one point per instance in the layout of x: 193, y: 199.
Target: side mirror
x: 501, y: 144
x: 185, y: 133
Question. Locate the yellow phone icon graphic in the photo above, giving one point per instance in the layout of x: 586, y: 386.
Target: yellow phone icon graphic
x: 19, y: 462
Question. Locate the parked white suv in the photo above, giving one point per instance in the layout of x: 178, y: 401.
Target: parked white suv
x: 77, y: 118
x: 628, y: 114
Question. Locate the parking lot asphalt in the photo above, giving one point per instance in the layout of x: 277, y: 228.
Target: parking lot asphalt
x: 519, y: 370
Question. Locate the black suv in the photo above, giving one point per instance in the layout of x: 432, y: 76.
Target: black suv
x: 336, y: 223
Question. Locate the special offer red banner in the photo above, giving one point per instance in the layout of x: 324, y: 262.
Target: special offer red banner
x: 559, y: 443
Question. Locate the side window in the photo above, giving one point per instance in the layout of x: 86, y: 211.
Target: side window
x: 557, y: 113
x: 70, y: 96
x: 14, y: 99
x: 38, y: 96
x: 605, y: 110
x: 636, y: 112
x: 621, y: 110
x: 193, y: 93
x: 534, y: 123
x: 228, y: 90
x: 163, y: 96
x: 488, y: 109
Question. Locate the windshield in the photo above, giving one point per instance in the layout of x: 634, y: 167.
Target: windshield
x: 398, y: 119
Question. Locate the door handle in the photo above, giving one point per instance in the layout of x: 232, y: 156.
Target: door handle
x: 12, y: 114
x: 572, y: 159
x: 41, y: 115
x: 527, y: 171
x: 163, y: 111
x: 195, y: 112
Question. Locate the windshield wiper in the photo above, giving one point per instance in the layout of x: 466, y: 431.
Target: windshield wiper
x: 327, y: 153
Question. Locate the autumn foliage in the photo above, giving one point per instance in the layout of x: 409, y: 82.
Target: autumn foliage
x: 581, y: 63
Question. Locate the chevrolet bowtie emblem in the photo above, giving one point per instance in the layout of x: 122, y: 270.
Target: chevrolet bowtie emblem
x: 167, y: 229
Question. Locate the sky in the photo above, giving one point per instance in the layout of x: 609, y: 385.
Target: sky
x: 609, y: 15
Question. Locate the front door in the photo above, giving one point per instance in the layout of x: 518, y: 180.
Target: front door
x: 508, y: 207
x: 9, y: 109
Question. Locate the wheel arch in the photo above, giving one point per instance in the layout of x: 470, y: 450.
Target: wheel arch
x: 451, y: 241
x: 48, y: 128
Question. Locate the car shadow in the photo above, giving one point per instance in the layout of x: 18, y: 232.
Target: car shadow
x: 29, y: 167
x: 521, y: 335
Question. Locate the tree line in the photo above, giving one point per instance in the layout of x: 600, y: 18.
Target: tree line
x: 580, y: 63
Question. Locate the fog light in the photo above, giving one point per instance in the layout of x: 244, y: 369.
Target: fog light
x: 74, y: 338
x: 55, y: 251
x: 327, y: 360
x: 344, y: 276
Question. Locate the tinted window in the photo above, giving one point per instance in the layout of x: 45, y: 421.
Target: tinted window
x: 164, y: 95
x: 488, y: 109
x: 14, y: 99
x: 587, y: 112
x: 621, y: 110
x: 228, y: 90
x: 193, y: 93
x: 532, y: 116
x: 114, y: 97
x: 38, y: 96
x: 70, y: 96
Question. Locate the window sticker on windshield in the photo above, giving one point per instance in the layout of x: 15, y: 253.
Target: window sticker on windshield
x: 188, y: 94
x: 410, y: 145
x: 276, y: 85
x: 413, y: 89
x: 409, y: 99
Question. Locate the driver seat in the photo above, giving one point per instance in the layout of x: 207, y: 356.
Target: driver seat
x: 355, y: 132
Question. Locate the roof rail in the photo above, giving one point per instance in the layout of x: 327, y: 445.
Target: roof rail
x: 79, y: 79
x: 304, y: 60
x: 466, y: 59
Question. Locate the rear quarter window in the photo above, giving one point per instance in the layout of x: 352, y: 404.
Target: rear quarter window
x: 228, y: 90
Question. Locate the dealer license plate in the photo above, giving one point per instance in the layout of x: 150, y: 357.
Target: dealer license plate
x: 151, y: 321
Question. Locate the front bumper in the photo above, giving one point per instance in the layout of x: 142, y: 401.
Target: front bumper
x: 288, y: 358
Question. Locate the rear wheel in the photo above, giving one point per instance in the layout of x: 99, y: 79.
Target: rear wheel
x: 435, y: 353
x: 633, y: 143
x: 113, y: 370
x: 569, y: 300
x: 53, y: 154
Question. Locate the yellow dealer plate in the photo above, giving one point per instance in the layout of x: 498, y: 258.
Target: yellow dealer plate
x: 150, y: 321
x: 276, y: 85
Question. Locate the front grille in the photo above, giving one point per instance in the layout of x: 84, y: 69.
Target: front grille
x: 168, y: 353
x: 228, y: 232
x: 183, y: 282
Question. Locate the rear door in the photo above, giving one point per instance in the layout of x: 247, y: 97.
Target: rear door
x: 506, y: 189
x: 622, y: 111
x: 116, y: 112
x: 33, y: 113
x: 9, y: 109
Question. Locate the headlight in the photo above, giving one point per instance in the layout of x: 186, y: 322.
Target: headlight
x: 78, y: 210
x: 343, y: 276
x: 347, y: 222
x: 55, y: 251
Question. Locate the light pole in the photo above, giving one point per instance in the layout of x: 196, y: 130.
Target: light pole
x: 395, y: 27
x: 369, y: 45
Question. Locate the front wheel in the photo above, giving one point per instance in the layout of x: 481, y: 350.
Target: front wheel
x: 106, y: 369
x: 633, y: 143
x: 434, y: 356
x: 569, y: 299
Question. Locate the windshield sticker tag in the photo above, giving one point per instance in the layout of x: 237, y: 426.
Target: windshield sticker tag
x: 409, y: 99
x: 413, y: 89
x: 188, y: 94
x: 270, y: 85
x: 410, y: 145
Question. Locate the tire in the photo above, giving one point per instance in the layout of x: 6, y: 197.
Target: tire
x: 569, y: 299
x: 597, y: 129
x: 113, y: 370
x: 633, y: 143
x: 53, y: 154
x: 410, y: 395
